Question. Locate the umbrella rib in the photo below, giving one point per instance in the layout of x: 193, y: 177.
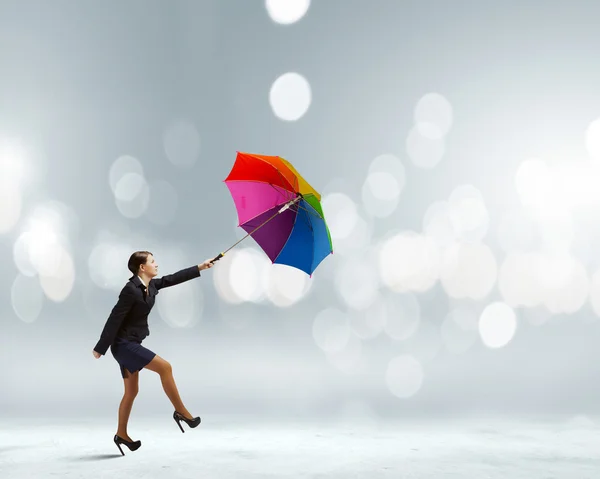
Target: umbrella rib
x: 284, y: 179
x: 251, y: 232
x: 308, y: 211
x: 274, y: 167
x: 307, y: 221
x: 315, y: 213
x: 288, y: 238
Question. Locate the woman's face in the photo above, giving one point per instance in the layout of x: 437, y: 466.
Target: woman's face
x: 150, y: 267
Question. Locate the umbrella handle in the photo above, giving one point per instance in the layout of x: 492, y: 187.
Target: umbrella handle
x: 216, y: 258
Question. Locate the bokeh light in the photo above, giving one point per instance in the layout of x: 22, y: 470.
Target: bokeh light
x: 341, y: 214
x: 16, y: 170
x: 10, y: 207
x: 594, y: 295
x: 107, y: 262
x: 290, y: 96
x: 17, y: 166
x: 21, y: 254
x: 433, y: 116
x: 469, y: 270
x: 285, y: 286
x: 404, y: 376
x: 469, y: 213
x: 132, y: 195
x: 183, y: 306
x: 516, y: 231
x: 592, y: 139
x: 426, y: 342
x: 558, y: 282
x: 518, y: 279
x: 464, y: 216
x: 370, y: 322
x: 497, y: 325
x: 402, y: 315
x: 246, y: 274
x: 43, y: 248
x: 331, y: 330
x: 423, y: 151
x: 122, y: 166
x: 221, y: 281
x: 357, y: 281
x: 409, y: 262
x: 383, y: 186
x: 348, y: 359
x: 57, y: 282
x: 438, y: 224
x: 27, y: 298
x: 286, y: 12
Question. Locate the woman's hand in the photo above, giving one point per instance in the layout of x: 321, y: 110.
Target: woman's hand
x: 97, y: 355
x: 206, y: 265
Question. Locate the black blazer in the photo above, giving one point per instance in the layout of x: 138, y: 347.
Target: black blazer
x: 129, y: 317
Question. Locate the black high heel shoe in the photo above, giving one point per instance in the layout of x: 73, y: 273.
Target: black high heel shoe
x: 132, y: 445
x: 190, y: 422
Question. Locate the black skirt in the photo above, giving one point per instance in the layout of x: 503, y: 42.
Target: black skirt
x: 130, y: 355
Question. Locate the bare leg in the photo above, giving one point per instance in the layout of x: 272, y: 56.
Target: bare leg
x: 165, y: 371
x: 131, y: 390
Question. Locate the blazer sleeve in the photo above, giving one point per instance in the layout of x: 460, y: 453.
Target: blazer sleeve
x: 114, y: 321
x: 176, y: 278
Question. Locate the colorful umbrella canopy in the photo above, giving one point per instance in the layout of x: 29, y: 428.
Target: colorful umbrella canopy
x: 280, y: 210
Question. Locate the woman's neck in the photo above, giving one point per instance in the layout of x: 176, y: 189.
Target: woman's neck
x: 144, y: 279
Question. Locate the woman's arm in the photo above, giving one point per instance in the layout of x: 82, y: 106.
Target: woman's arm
x: 114, y: 321
x: 181, y: 276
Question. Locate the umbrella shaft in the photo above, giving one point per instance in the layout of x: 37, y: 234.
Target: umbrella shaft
x: 281, y: 210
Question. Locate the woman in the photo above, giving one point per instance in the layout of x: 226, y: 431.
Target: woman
x: 126, y: 328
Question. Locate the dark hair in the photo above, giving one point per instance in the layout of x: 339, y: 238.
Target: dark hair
x: 136, y: 260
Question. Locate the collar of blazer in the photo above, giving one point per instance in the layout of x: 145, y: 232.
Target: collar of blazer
x: 138, y: 282
x: 151, y: 290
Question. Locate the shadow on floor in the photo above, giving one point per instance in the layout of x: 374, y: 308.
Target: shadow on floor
x: 95, y: 457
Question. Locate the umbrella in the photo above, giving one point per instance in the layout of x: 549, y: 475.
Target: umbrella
x: 280, y: 210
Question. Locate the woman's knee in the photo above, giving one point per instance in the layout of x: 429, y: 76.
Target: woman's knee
x: 132, y: 392
x: 166, y: 367
x: 160, y: 366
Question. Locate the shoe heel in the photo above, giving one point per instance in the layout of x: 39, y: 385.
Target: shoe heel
x: 179, y: 424
x: 119, y: 446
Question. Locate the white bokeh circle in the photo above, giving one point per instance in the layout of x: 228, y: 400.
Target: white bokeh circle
x: 402, y: 316
x: 290, y: 96
x: 122, y: 166
x: 285, y: 286
x: 286, y: 12
x: 181, y: 307
x: 497, y: 325
x: 132, y: 195
x: 331, y: 330
x: 424, y: 152
x: 433, y: 116
x: 469, y: 270
x: 404, y: 376
x: 27, y: 298
x: 10, y: 206
x: 409, y: 262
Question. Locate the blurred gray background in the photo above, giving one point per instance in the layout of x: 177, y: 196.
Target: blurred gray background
x: 454, y: 145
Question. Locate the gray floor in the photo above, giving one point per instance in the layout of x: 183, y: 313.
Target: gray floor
x: 242, y: 448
